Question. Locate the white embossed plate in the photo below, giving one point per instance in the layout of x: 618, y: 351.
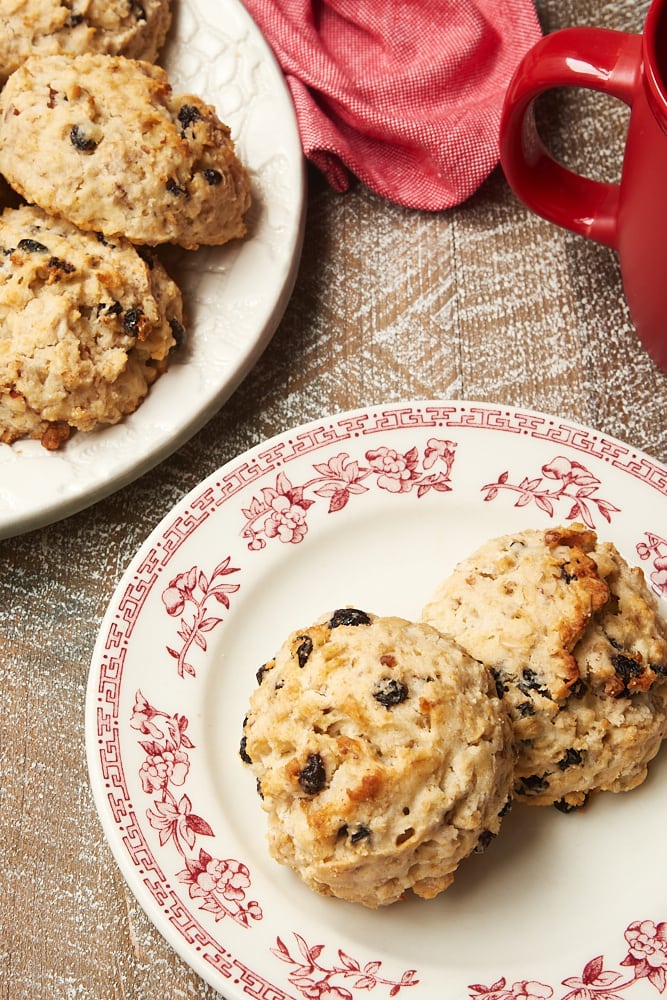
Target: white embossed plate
x: 234, y: 295
x: 369, y: 508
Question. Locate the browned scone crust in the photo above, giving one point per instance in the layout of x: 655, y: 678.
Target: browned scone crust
x: 103, y: 142
x: 86, y: 326
x: 579, y: 651
x: 383, y: 756
x: 48, y: 27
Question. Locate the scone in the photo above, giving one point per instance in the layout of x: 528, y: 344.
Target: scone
x: 48, y: 27
x: 575, y: 641
x: 103, y: 142
x: 86, y: 325
x: 383, y: 757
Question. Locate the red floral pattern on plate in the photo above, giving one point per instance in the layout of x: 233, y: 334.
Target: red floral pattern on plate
x: 219, y: 885
x: 315, y: 981
x: 655, y: 547
x: 646, y: 956
x: 194, y: 590
x: 572, y: 482
x: 281, y: 511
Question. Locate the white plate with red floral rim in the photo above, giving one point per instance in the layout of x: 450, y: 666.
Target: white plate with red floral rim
x: 214, y: 50
x: 370, y: 509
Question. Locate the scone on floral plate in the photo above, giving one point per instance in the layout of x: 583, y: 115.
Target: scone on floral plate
x: 578, y: 649
x: 86, y: 326
x: 383, y: 756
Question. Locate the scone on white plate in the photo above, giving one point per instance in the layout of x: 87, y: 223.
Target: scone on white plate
x: 383, y: 756
x: 133, y: 28
x: 103, y: 142
x: 86, y: 326
x: 576, y: 643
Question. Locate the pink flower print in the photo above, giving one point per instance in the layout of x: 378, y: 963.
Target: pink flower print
x: 325, y: 991
x: 396, y: 473
x: 179, y: 591
x: 166, y: 766
x: 196, y: 591
x: 313, y: 979
x: 232, y: 878
x: 572, y: 483
x: 595, y: 983
x: 229, y: 878
x: 648, y: 952
x: 659, y: 576
x: 279, y: 513
x: 341, y: 469
x: 143, y: 715
x: 170, y: 818
x: 340, y: 478
x: 647, y: 955
x: 437, y: 449
x: 286, y: 521
x: 569, y: 472
x: 221, y: 885
x: 173, y: 600
x: 530, y: 990
x: 525, y: 989
x: 163, y: 767
x: 655, y: 547
x: 176, y: 820
x: 282, y: 511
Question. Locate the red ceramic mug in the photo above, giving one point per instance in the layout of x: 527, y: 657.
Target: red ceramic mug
x: 631, y: 216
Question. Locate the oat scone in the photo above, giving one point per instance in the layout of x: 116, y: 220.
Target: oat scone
x: 104, y: 142
x: 86, y: 326
x: 575, y: 641
x: 383, y: 757
x: 48, y: 27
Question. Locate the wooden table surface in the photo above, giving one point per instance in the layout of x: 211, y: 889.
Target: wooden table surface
x: 484, y: 302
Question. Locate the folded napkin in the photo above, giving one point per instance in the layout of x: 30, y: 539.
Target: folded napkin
x: 404, y: 94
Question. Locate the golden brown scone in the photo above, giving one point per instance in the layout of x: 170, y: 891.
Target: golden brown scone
x: 383, y: 757
x: 103, y: 142
x: 48, y: 27
x: 574, y: 639
x: 86, y: 326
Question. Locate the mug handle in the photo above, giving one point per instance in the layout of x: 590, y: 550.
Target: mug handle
x: 594, y: 58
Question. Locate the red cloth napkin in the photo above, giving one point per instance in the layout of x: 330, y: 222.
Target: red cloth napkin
x: 405, y: 94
